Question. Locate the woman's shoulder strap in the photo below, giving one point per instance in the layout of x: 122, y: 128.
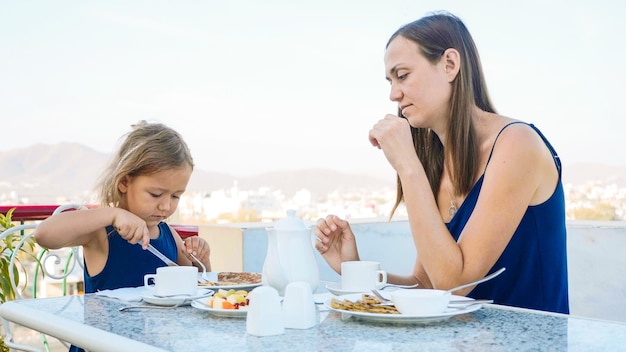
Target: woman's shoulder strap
x: 555, y: 156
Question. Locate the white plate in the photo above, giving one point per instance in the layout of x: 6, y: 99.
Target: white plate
x: 235, y: 287
x: 213, y: 277
x: 403, y: 318
x: 335, y: 289
x: 149, y: 297
x: 230, y: 313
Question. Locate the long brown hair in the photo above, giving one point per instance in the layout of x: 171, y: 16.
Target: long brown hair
x: 434, y: 34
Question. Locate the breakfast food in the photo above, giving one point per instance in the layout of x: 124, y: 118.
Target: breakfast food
x: 230, y: 299
x: 367, y: 304
x: 229, y: 278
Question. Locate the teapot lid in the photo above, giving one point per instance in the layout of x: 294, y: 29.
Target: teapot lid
x: 290, y: 223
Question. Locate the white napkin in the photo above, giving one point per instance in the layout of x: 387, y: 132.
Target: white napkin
x: 130, y: 294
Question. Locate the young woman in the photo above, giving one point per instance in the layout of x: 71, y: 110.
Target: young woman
x: 482, y: 191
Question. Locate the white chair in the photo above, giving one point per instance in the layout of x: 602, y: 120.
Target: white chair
x: 45, y: 256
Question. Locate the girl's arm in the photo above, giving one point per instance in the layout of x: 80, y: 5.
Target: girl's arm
x: 74, y: 228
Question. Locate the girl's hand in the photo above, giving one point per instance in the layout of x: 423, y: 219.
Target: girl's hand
x: 335, y: 241
x: 200, y: 249
x: 131, y: 228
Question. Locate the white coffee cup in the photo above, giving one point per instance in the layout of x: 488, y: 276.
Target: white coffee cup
x: 173, y: 280
x: 362, y: 276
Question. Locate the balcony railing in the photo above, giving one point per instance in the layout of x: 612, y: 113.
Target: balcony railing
x: 26, y: 213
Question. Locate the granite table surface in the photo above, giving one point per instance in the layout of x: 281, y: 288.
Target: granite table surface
x: 490, y: 328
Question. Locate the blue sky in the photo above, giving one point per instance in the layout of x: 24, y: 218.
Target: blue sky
x: 255, y: 86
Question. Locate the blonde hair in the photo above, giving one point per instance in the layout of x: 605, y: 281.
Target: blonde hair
x: 149, y: 148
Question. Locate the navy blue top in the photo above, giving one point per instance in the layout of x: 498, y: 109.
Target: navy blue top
x: 536, y: 257
x: 128, y: 263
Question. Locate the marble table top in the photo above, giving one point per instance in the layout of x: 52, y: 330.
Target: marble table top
x: 186, y: 328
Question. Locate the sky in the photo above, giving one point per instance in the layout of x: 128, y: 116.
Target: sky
x: 257, y: 86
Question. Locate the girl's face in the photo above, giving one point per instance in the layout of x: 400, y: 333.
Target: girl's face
x: 155, y: 197
x: 421, y: 89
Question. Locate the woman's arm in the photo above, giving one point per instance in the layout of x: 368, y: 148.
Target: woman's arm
x: 521, y: 173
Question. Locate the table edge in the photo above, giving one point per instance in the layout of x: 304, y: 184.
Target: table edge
x: 82, y: 335
x: 561, y: 315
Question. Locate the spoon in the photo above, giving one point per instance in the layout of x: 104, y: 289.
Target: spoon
x: 486, y: 278
x: 125, y: 308
x: 205, y: 278
x: 382, y: 287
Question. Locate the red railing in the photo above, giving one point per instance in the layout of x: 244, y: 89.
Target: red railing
x: 24, y: 213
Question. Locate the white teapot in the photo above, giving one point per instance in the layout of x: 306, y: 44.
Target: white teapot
x: 290, y: 255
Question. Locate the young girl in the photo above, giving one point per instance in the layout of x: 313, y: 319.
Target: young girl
x: 482, y: 191
x: 139, y: 191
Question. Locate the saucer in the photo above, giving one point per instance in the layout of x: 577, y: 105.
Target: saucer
x: 335, y: 289
x: 150, y: 298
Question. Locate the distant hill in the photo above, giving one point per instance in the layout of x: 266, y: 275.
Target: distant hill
x: 43, y: 173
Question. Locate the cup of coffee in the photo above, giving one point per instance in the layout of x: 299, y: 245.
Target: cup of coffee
x: 173, y: 280
x: 362, y: 276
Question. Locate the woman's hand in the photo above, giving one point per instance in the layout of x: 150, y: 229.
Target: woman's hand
x: 335, y: 241
x: 392, y: 134
x: 200, y: 249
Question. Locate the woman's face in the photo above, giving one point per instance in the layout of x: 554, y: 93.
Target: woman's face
x: 421, y: 89
x: 155, y: 197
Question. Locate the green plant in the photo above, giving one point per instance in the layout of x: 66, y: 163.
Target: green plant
x: 3, y: 347
x: 8, y: 245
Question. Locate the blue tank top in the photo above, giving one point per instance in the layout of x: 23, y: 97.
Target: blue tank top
x: 128, y: 263
x: 536, y: 257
